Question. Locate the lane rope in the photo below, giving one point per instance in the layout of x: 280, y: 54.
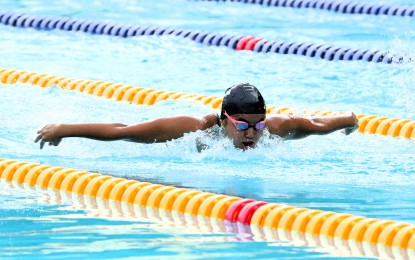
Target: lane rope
x: 338, y: 6
x: 368, y: 124
x: 205, y: 204
x: 239, y: 43
x: 98, y: 207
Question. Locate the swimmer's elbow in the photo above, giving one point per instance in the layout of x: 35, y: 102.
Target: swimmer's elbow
x: 118, y: 131
x: 119, y: 125
x: 306, y: 128
x: 295, y: 135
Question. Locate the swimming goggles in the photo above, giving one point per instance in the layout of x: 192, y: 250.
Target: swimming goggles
x: 243, y: 126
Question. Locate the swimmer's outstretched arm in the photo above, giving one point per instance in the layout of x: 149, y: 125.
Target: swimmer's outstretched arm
x: 158, y: 130
x: 291, y: 127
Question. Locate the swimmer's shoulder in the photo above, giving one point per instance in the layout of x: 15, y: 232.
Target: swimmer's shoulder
x: 211, y: 132
x: 210, y: 120
x: 280, y: 124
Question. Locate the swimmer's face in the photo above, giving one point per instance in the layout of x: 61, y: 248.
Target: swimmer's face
x: 244, y: 139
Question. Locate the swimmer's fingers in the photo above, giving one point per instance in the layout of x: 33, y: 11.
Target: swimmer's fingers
x: 42, y: 143
x: 349, y: 130
x: 41, y: 139
x: 41, y: 136
x: 48, y: 134
x: 56, y: 142
x: 42, y: 129
x: 38, y: 138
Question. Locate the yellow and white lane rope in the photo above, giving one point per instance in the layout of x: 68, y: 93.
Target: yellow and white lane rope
x: 327, y: 224
x: 97, y: 207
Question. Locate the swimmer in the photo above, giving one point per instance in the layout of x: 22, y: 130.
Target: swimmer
x: 242, y: 119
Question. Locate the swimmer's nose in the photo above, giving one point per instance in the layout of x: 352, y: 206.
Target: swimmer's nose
x: 250, y: 133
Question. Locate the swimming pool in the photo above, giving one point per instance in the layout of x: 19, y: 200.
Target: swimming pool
x: 367, y: 175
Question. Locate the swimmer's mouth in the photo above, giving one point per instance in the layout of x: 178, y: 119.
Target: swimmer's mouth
x: 248, y: 144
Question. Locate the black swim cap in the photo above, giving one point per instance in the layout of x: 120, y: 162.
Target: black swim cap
x: 242, y: 99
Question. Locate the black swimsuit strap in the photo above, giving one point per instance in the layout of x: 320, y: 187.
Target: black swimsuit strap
x: 218, y: 122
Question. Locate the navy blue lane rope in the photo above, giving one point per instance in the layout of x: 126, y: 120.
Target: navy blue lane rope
x: 327, y: 52
x: 347, y: 7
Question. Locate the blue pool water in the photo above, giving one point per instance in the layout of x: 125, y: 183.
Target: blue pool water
x: 360, y: 174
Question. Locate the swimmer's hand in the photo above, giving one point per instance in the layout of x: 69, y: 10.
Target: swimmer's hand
x: 49, y: 134
x: 351, y: 129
